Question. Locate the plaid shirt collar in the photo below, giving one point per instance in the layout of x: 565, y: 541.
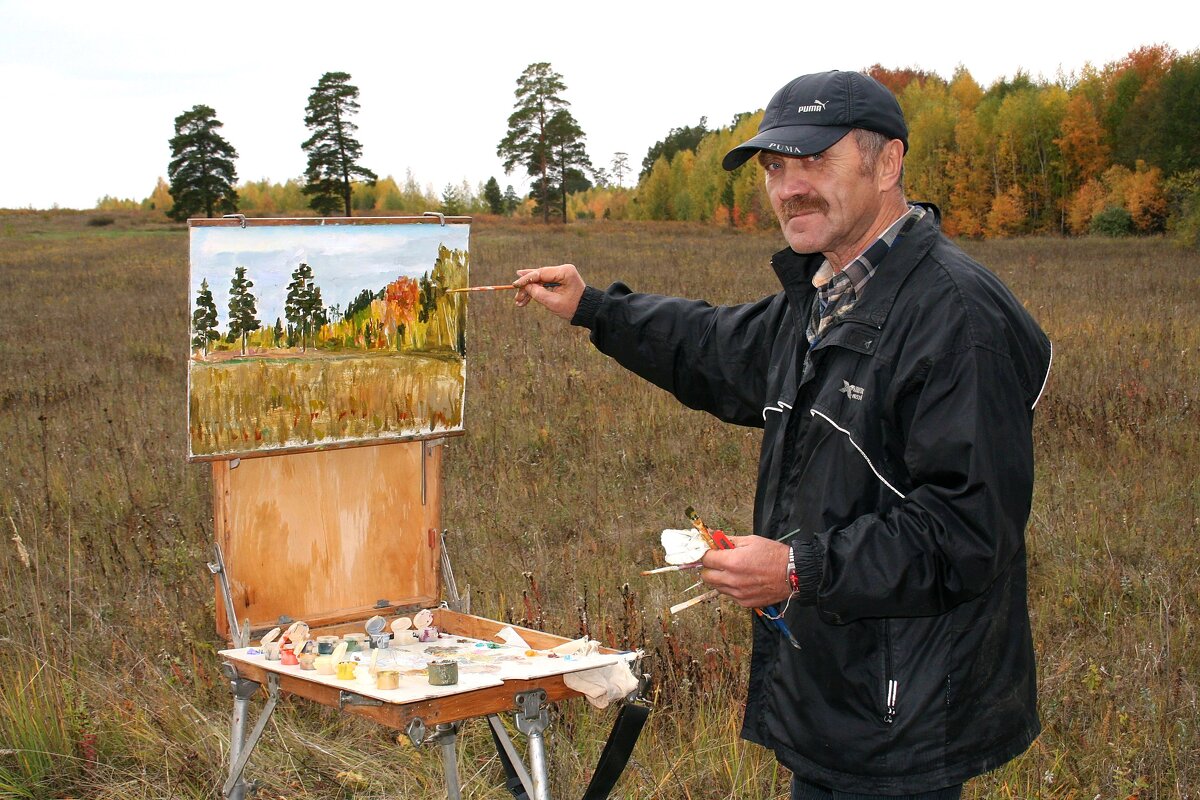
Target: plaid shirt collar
x: 837, y: 292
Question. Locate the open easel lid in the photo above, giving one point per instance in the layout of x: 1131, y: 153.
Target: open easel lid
x: 329, y: 536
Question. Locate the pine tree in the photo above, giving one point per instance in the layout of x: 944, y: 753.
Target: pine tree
x: 452, y: 200
x: 242, y: 307
x: 570, y: 157
x: 201, y: 171
x: 493, y: 197
x: 543, y: 136
x: 204, y: 319
x: 511, y: 200
x: 620, y: 167
x: 333, y: 152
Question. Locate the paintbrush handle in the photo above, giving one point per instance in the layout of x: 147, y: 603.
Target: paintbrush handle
x: 700, y: 598
x: 672, y: 568
x: 502, y: 287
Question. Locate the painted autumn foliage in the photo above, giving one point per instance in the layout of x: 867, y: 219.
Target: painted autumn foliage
x: 407, y: 314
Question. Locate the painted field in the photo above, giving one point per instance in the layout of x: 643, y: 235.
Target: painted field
x: 242, y: 403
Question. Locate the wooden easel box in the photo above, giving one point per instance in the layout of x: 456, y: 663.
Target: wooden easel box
x: 333, y: 537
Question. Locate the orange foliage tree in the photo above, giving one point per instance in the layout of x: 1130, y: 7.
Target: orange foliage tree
x: 1085, y: 154
x: 1007, y: 215
x: 1088, y: 201
x: 1145, y: 199
x: 897, y: 80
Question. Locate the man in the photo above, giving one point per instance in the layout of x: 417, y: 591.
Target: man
x: 895, y: 381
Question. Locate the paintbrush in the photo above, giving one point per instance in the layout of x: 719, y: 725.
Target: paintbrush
x: 699, y: 525
x: 673, y: 568
x: 499, y: 288
x: 700, y: 598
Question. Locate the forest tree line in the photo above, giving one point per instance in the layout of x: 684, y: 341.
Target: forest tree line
x: 1110, y: 150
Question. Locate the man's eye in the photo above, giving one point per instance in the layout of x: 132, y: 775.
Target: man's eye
x: 816, y: 157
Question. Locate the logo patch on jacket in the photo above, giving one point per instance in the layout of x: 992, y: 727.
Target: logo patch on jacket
x: 851, y: 391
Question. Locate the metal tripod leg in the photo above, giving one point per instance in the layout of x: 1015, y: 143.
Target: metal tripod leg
x: 445, y: 735
x: 532, y: 719
x: 240, y: 747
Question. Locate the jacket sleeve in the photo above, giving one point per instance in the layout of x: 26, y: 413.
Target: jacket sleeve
x: 712, y: 359
x: 968, y: 452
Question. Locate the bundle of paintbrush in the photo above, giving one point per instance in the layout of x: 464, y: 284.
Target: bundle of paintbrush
x: 684, y: 550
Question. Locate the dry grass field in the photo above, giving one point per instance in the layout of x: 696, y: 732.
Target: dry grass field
x: 109, y: 685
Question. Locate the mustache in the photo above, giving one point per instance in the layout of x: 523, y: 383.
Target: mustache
x: 799, y: 205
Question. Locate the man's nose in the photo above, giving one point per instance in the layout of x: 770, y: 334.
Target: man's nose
x: 793, y: 179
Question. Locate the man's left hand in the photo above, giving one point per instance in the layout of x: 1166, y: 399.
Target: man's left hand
x: 753, y: 573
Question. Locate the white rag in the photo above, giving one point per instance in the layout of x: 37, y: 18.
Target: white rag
x: 602, y: 685
x: 511, y: 638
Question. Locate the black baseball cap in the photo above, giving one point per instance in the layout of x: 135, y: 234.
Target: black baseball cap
x: 813, y: 112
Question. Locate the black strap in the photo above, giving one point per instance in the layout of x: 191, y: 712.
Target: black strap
x: 626, y: 730
x: 512, y: 781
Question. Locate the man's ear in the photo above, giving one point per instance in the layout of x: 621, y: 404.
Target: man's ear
x: 890, y: 165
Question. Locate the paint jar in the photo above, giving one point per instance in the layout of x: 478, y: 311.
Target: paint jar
x: 429, y: 634
x: 443, y: 673
x: 355, y: 642
x: 325, y: 645
x: 345, y: 670
x: 272, y: 651
x: 380, y: 641
x: 323, y: 665
x: 387, y: 679
x: 287, y: 656
x: 405, y: 637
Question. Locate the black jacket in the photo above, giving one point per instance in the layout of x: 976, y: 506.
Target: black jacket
x: 901, y: 449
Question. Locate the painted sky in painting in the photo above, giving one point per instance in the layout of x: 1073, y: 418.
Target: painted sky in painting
x: 345, y: 259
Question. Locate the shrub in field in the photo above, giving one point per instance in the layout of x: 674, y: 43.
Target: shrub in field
x: 1112, y: 221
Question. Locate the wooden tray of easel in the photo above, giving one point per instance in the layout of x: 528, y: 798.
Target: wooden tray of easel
x: 333, y: 538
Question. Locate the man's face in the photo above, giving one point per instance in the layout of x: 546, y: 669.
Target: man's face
x: 825, y: 203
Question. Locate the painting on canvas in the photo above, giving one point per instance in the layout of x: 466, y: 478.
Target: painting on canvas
x: 308, y: 334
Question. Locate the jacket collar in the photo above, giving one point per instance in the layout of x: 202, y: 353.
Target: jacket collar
x: 795, y: 271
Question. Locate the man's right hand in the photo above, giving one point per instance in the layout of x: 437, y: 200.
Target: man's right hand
x: 561, y: 300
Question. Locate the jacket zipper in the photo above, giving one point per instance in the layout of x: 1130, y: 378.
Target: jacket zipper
x: 891, y: 685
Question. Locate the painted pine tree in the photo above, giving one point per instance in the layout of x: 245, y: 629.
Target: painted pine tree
x: 204, y: 319
x: 243, y: 308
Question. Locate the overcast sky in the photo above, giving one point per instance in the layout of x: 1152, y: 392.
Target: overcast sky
x: 89, y: 91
